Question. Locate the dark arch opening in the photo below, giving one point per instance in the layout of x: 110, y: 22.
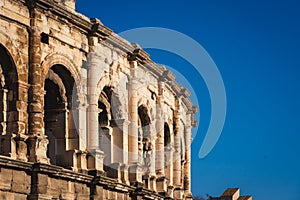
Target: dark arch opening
x: 104, y: 119
x: 104, y: 104
x: 167, y: 135
x: 144, y: 121
x: 8, y: 98
x: 103, y: 115
x: 53, y: 98
x: 58, y: 116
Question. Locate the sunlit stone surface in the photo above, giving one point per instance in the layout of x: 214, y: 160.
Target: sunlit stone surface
x: 84, y: 113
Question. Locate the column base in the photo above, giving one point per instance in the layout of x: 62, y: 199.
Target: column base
x: 81, y: 161
x: 113, y: 171
x: 170, y: 191
x: 21, y: 147
x: 153, y: 183
x: 188, y: 195
x: 178, y: 193
x: 146, y: 181
x: 149, y: 182
x: 124, y: 174
x: 135, y: 174
x: 95, y: 160
x: 161, y: 185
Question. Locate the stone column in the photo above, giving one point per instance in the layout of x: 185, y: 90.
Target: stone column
x: 92, y: 115
x: 37, y: 140
x: 160, y: 171
x: 177, y: 153
x: 176, y: 161
x: 133, y: 148
x: 160, y: 149
x: 133, y: 115
x: 187, y: 165
x: 95, y: 156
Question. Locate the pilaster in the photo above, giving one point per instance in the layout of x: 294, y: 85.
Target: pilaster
x: 21, y: 146
x: 187, y: 164
x: 161, y: 181
x: 37, y: 139
x: 177, y: 153
x: 135, y: 168
x: 95, y: 156
x: 135, y: 171
x: 95, y: 160
x: 133, y: 115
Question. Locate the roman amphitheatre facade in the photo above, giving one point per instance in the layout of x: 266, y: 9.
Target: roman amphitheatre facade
x: 84, y: 113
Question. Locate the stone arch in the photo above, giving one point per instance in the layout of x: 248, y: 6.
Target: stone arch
x: 104, y: 105
x: 61, y: 59
x: 104, y: 124
x: 112, y: 104
x: 9, y: 95
x: 110, y: 110
x: 144, y: 116
x: 145, y: 139
x: 118, y: 101
x: 16, y: 56
x: 104, y: 81
x: 57, y: 80
x: 58, y: 116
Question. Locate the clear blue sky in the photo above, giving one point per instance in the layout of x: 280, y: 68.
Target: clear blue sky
x: 256, y: 46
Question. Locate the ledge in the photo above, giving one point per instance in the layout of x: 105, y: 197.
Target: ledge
x: 15, y: 164
x: 60, y: 172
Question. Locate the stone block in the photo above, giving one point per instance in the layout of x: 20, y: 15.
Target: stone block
x: 67, y: 196
x: 42, y: 184
x: 6, y: 195
x: 5, y: 179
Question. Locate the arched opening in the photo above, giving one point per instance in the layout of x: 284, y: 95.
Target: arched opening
x: 145, y: 145
x: 144, y: 121
x: 168, y: 153
x: 8, y: 98
x: 104, y: 119
x: 58, y: 117
x: 167, y: 136
x: 104, y: 105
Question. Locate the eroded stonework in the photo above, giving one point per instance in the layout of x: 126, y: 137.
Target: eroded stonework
x: 84, y: 113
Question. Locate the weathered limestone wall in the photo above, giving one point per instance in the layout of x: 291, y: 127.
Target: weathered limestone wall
x: 21, y: 180
x: 76, y: 95
x: 14, y: 183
